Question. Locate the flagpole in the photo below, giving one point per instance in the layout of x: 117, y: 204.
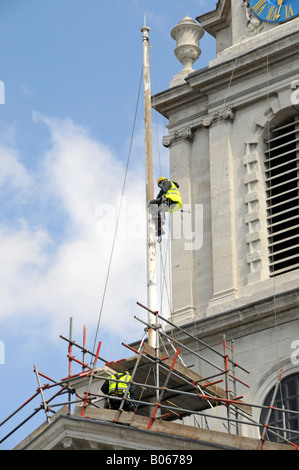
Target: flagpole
x: 152, y: 287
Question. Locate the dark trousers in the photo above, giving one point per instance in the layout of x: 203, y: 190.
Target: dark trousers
x: 115, y: 404
x: 158, y: 208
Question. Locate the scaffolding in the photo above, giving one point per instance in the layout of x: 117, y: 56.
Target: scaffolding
x: 167, y: 389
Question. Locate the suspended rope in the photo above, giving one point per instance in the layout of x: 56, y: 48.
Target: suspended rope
x: 164, y: 276
x: 118, y: 215
x: 163, y: 268
x: 155, y: 116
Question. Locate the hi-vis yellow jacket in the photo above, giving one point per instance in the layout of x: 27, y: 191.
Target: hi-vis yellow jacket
x: 118, y: 388
x: 174, y: 194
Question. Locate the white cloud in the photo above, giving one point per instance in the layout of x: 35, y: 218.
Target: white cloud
x: 22, y: 255
x: 80, y: 171
x: 47, y: 278
x: 43, y: 279
x: 12, y: 172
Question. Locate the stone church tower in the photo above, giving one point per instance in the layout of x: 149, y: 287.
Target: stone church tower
x: 234, y: 148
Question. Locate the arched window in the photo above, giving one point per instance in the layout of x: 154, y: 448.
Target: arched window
x: 287, y: 398
x: 282, y: 181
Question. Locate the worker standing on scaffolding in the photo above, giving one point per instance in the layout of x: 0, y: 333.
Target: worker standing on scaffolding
x: 116, y: 386
x: 168, y: 200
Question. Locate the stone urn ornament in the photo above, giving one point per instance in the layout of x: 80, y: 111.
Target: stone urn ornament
x: 187, y: 35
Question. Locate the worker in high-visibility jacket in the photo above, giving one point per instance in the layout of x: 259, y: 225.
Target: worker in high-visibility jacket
x: 168, y: 200
x: 116, y: 386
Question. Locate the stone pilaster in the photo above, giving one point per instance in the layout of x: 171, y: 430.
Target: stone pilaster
x: 222, y: 213
x: 180, y: 145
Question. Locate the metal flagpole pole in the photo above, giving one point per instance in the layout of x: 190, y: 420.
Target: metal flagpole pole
x: 152, y: 288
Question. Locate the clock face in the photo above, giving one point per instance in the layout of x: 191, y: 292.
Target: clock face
x: 275, y: 11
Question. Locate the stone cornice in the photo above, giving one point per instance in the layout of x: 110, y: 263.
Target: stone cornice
x: 257, y: 315
x: 204, y: 82
x: 216, y: 19
x: 247, y: 60
x: 275, y: 37
x: 251, y: 93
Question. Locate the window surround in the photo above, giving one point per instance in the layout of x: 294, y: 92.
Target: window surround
x: 283, y: 419
x: 255, y: 198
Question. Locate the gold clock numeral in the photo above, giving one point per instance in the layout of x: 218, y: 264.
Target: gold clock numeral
x: 280, y: 2
x: 271, y: 15
x: 259, y: 6
x: 274, y: 13
x: 288, y: 12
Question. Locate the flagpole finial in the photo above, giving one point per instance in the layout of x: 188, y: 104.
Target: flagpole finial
x: 145, y: 29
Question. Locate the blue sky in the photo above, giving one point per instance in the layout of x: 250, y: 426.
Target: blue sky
x: 71, y: 71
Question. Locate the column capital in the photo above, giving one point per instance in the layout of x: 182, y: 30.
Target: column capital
x: 227, y: 113
x: 184, y: 134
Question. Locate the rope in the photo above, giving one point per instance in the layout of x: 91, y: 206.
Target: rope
x: 118, y: 216
x: 164, y: 275
x: 273, y: 277
x: 163, y: 270
x: 155, y: 114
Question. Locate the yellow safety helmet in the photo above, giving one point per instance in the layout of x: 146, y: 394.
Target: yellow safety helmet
x: 161, y: 179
